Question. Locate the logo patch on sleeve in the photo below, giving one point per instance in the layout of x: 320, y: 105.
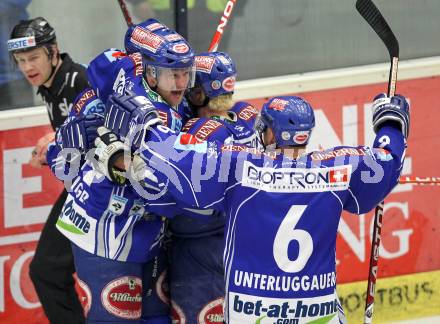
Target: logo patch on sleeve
x: 122, y: 297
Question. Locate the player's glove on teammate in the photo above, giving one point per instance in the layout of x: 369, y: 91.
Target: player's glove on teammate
x: 111, y: 160
x: 130, y: 116
x: 109, y: 149
x: 394, y: 109
x: 80, y: 132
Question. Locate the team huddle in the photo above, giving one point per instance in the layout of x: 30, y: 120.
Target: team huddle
x: 187, y: 207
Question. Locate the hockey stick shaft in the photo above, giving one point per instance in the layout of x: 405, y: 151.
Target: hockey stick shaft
x: 372, y: 15
x: 125, y: 12
x: 221, y: 26
x: 420, y: 181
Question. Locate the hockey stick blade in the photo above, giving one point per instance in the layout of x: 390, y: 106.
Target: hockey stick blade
x: 372, y: 15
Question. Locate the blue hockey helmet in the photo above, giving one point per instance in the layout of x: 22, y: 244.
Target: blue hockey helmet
x: 159, y: 45
x: 215, y: 73
x: 163, y: 51
x: 290, y: 118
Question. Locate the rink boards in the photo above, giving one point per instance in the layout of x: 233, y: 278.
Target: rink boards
x: 409, y: 265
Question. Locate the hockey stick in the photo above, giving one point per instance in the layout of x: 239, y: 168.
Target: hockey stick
x: 125, y: 12
x: 221, y: 25
x: 420, y: 181
x: 372, y: 15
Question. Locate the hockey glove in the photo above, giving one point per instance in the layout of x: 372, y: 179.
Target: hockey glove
x: 394, y: 109
x: 130, y: 116
x: 108, y: 151
x: 80, y: 132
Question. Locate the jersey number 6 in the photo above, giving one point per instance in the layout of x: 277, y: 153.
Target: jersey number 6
x: 287, y: 233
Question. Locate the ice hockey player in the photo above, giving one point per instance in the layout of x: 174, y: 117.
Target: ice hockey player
x: 158, y: 64
x: 116, y: 233
x: 283, y: 208
x: 196, y: 245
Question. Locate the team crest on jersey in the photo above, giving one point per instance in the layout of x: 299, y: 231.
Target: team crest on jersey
x: 204, y: 63
x: 117, y: 204
x: 212, y: 312
x: 248, y: 113
x: 146, y: 39
x: 122, y: 297
x: 286, y: 180
x: 278, y: 104
x: 84, y: 295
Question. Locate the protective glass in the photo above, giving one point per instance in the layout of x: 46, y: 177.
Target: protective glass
x: 175, y: 79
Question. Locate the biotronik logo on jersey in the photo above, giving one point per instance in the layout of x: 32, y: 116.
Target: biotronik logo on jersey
x: 122, y: 297
x: 296, y: 180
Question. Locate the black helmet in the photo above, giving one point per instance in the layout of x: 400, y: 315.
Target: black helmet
x: 29, y: 34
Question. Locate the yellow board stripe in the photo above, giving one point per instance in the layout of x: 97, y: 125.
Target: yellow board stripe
x: 397, y: 298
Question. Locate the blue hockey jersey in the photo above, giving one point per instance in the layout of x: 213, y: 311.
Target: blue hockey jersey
x: 237, y: 128
x: 283, y: 215
x: 109, y: 220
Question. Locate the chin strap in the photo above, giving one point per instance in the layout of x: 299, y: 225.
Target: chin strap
x: 54, y: 67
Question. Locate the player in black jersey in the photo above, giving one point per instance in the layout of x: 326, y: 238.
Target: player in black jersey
x: 34, y: 49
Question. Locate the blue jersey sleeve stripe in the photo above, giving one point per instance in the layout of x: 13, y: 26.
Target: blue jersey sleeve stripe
x: 337, y: 197
x: 356, y: 201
